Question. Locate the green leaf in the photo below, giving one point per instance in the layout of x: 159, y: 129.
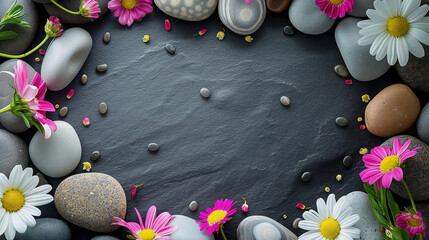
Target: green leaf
x: 17, y: 9
x: 393, y: 206
x: 11, y: 6
x: 375, y: 210
x: 383, y: 203
x: 8, y: 35
x: 368, y: 189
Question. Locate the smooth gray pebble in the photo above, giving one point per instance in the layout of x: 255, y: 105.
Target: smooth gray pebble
x: 306, y: 176
x: 102, y: 68
x: 288, y: 30
x: 153, y: 147
x: 285, y: 101
x: 341, y: 70
x: 193, y: 206
x: 347, y: 161
x: 295, y: 223
x: 205, y: 93
x: 342, y: 121
x: 63, y: 111
x: 102, y: 108
x: 84, y: 79
x: 170, y: 48
x: 106, y: 37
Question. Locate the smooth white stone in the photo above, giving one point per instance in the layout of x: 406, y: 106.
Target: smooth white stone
x: 188, y: 229
x: 307, y: 17
x: 241, y: 18
x: 266, y: 231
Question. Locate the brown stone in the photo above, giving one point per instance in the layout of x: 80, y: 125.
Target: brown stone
x: 425, y: 2
x: 416, y: 170
x: 416, y: 72
x: 392, y: 111
x: 278, y: 5
x: 91, y: 201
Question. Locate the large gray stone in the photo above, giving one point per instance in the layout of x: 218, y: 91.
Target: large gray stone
x: 241, y: 18
x: 71, y: 49
x: 46, y: 228
x: 188, y: 10
x: 416, y: 71
x: 91, y: 201
x: 68, y: 18
x: 9, y: 121
x: 368, y: 224
x: 188, y: 229
x: 25, y: 35
x: 415, y: 171
x: 307, y: 17
x: 361, y: 65
x: 263, y: 228
x: 58, y: 155
x: 360, y: 7
x: 13, y: 151
x: 423, y: 124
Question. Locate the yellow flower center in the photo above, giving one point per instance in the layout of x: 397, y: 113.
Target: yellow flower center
x: 129, y: 4
x: 336, y: 2
x: 13, y: 200
x: 147, y: 234
x: 216, y: 216
x: 330, y: 228
x: 389, y: 163
x: 413, y: 222
x: 398, y: 26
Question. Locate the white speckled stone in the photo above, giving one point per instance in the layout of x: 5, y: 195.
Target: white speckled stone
x: 361, y: 65
x: 188, y: 229
x: 58, y: 155
x: 189, y: 10
x: 307, y: 17
x: 266, y: 231
x: 360, y: 7
x: 70, y: 49
x: 263, y: 228
x: 241, y: 18
x: 368, y: 224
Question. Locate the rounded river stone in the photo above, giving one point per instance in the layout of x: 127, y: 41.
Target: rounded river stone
x: 188, y: 10
x: 91, y: 200
x: 205, y: 93
x: 193, y: 206
x: 260, y: 227
x: 423, y: 124
x: 46, y: 228
x: 415, y: 171
x: 360, y: 7
x: 25, y: 35
x: 341, y: 70
x: 342, y: 121
x: 63, y: 111
x: 170, y: 48
x: 106, y: 37
x: 306, y: 17
x: 188, y: 229
x: 285, y: 100
x: 153, y: 147
x: 306, y: 176
x: 94, y: 156
x: 278, y: 5
x: 416, y: 72
x: 102, y: 108
x: 67, y: 18
x: 347, y: 161
x: 13, y: 151
x: 288, y: 30
x: 296, y: 222
x: 101, y: 67
x: 241, y: 18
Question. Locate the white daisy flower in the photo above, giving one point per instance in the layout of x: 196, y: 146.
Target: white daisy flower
x: 331, y: 221
x: 19, y: 197
x: 395, y: 28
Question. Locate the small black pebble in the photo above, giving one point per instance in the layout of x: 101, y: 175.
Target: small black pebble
x: 288, y: 30
x: 306, y: 176
x: 95, y: 155
x: 347, y: 161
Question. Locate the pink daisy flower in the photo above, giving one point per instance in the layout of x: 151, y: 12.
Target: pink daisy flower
x: 212, y: 219
x: 155, y: 228
x: 335, y: 8
x: 90, y: 9
x: 130, y: 10
x: 384, y: 164
x: 413, y: 223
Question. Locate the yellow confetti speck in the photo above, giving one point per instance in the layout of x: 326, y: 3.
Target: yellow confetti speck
x: 220, y: 35
x: 363, y: 151
x: 359, y: 119
x: 57, y: 105
x: 327, y: 189
x: 365, y: 98
x: 146, y: 38
x: 284, y: 216
x: 87, y: 166
x: 248, y: 38
x: 339, y: 177
x: 37, y: 59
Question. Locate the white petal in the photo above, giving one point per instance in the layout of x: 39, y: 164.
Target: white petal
x: 10, y: 231
x: 419, y: 35
x: 321, y: 208
x: 415, y: 46
x: 18, y: 224
x: 374, y: 29
x: 344, y: 214
x: 343, y: 236
x: 418, y: 14
x: 27, y: 186
x: 382, y: 50
x: 309, y: 225
x: 338, y: 207
x: 402, y: 50
x: 392, y: 6
x: 39, y: 200
x: 409, y: 6
x: 311, y: 235
x: 351, y: 231
x: 44, y: 189
x: 27, y: 218
x: 422, y: 24
x: 365, y: 23
x: 32, y: 210
x: 349, y: 221
x: 366, y: 40
x: 312, y: 216
x: 376, y: 16
x: 27, y: 173
x: 379, y: 6
x: 3, y: 183
x: 4, y: 222
x: 377, y: 43
x: 15, y: 176
x: 330, y: 204
x: 391, y: 52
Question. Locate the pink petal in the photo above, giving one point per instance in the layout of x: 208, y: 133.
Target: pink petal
x: 379, y: 152
x: 47, y: 130
x: 398, y: 174
x: 46, y: 106
x: 404, y: 147
x: 29, y: 92
x: 349, y: 82
x: 70, y: 93
x: 387, y: 179
x: 161, y: 221
x: 41, y: 85
x: 248, y: 2
x: 42, y: 52
x: 407, y: 155
x: 396, y: 146
x: 123, y: 19
x: 21, y: 76
x: 167, y: 25
x: 140, y: 218
x: 166, y: 230
x: 150, y: 217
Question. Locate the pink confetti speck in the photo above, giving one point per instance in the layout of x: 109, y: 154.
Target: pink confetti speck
x: 70, y: 94
x: 362, y: 127
x: 167, y: 25
x: 42, y: 51
x: 349, y: 82
x: 86, y: 122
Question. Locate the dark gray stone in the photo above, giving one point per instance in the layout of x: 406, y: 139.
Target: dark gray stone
x: 9, y: 121
x: 341, y: 70
x: 101, y: 67
x: 170, y: 48
x: 306, y: 176
x: 46, y: 228
x: 13, y: 151
x: 25, y: 37
x: 415, y: 171
x: 63, y: 111
x: 42, y: 179
x: 68, y: 18
x: 102, y: 108
x: 347, y: 161
x: 104, y: 237
x: 342, y: 121
x: 258, y: 227
x: 288, y: 30
x: 95, y: 156
x: 106, y: 37
x: 423, y: 124
x: 153, y: 147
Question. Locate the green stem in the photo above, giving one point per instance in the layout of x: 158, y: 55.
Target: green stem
x: 27, y: 53
x: 64, y: 9
x: 6, y: 109
x: 409, y: 194
x: 221, y: 231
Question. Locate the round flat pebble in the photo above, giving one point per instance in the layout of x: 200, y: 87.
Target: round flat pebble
x: 153, y: 147
x: 341, y: 70
x: 288, y: 30
x: 342, y: 121
x: 102, y: 108
x: 101, y: 68
x: 63, y: 111
x: 193, y: 206
x: 84, y: 79
x: 306, y: 176
x: 205, y: 93
x: 347, y: 161
x: 295, y: 223
x: 170, y: 48
x: 95, y: 156
x: 285, y: 101
x: 106, y: 37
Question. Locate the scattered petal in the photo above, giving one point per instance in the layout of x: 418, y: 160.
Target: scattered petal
x: 220, y: 35
x: 201, y: 32
x: 359, y: 119
x: 146, y: 38
x: 244, y: 207
x: 362, y: 127
x: 167, y: 25
x: 134, y: 189
x: 87, y: 166
x: 57, y: 105
x: 42, y: 51
x: 302, y: 206
x: 349, y: 82
x: 248, y: 38
x: 339, y: 177
x: 363, y: 151
x: 365, y: 98
x: 86, y: 122
x: 284, y: 216
x: 37, y: 59
x: 70, y: 94
x: 327, y: 189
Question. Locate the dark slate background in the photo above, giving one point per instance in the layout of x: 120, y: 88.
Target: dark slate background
x: 239, y: 142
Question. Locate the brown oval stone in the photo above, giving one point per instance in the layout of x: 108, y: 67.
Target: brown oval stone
x: 278, y: 5
x: 416, y: 72
x: 392, y: 111
x: 91, y: 200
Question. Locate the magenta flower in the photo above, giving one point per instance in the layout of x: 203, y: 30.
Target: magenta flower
x: 89, y: 8
x: 335, y: 8
x: 155, y: 228
x: 384, y: 164
x: 134, y: 189
x: 53, y: 27
x: 214, y: 218
x: 413, y: 223
x: 130, y: 10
